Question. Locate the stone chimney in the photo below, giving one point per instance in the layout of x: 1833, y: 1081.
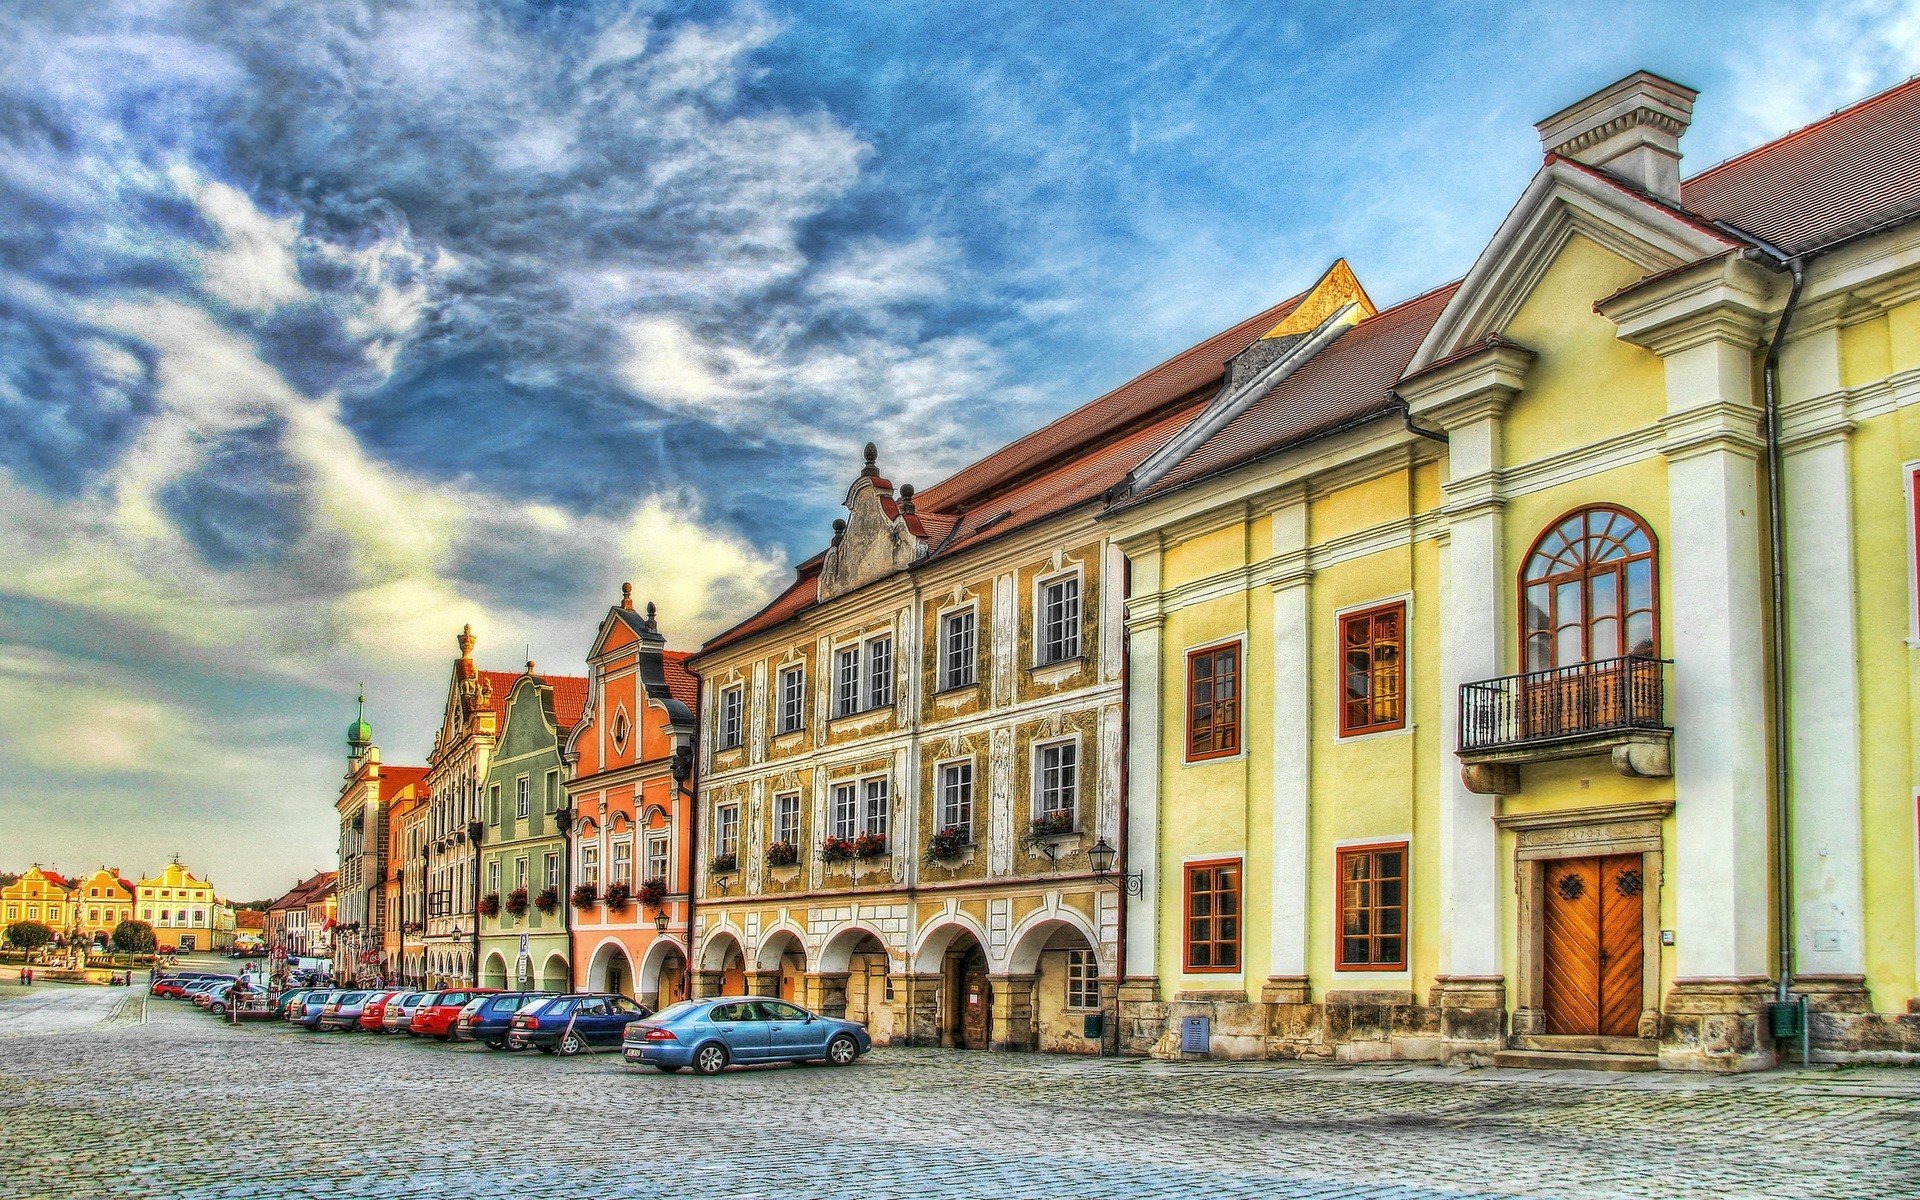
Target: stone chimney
x: 1631, y: 129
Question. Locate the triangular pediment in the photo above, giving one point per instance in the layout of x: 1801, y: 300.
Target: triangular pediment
x: 1564, y: 199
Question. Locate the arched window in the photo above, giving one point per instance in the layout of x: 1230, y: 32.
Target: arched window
x: 1588, y: 590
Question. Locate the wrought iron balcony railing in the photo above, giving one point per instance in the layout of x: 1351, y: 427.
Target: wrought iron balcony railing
x: 1564, y: 703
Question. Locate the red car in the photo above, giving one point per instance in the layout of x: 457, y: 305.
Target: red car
x: 435, y: 1018
x: 373, y: 1016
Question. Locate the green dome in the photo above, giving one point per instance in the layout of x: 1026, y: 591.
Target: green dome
x: 360, y: 734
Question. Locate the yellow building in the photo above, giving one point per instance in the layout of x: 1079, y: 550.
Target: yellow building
x: 1453, y: 631
x: 182, y: 908
x: 100, y: 902
x: 39, y: 895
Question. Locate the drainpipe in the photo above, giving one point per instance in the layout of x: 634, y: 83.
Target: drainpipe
x: 1126, y: 737
x: 1406, y: 418
x: 912, y: 810
x: 1776, y: 564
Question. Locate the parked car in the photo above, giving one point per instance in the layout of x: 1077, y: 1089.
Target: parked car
x: 709, y: 1034
x: 486, y: 1019
x: 436, y: 1015
x: 196, y: 990
x: 572, y: 1023
x: 342, y: 1011
x: 399, y: 1013
x: 287, y: 999
x: 373, y: 1014
x: 308, y: 1011
x: 174, y: 983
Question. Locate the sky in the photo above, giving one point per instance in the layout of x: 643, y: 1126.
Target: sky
x: 327, y: 328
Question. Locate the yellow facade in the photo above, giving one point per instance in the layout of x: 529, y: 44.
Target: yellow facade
x: 101, y: 901
x: 39, y: 895
x: 182, y: 908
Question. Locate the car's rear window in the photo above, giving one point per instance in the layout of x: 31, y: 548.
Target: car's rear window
x: 674, y: 1012
x: 453, y: 998
x: 352, y: 997
x: 424, y: 999
x: 507, y: 1004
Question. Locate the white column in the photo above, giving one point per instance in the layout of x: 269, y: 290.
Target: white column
x: 1475, y: 595
x: 1292, y: 743
x: 1823, y: 664
x: 1717, y: 629
x: 1144, y: 702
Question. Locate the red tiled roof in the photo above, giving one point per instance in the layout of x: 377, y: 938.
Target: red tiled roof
x: 56, y: 878
x: 499, y: 685
x: 681, y: 684
x: 801, y: 595
x: 569, y: 699
x: 1848, y: 172
x: 1350, y: 379
x: 393, y: 779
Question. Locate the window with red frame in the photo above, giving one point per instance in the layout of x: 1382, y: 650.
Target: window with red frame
x: 1373, y: 670
x: 1213, y: 916
x: 1213, y: 702
x: 1373, y: 908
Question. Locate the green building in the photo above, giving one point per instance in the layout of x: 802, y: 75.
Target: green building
x: 523, y: 850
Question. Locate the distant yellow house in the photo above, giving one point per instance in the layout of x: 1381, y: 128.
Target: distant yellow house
x: 1455, y: 631
x: 39, y: 895
x: 100, y: 902
x: 182, y: 908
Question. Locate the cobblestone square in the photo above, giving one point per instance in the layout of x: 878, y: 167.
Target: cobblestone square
x: 108, y: 1094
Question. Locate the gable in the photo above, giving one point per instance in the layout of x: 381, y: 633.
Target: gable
x: 1565, y: 199
x: 875, y: 543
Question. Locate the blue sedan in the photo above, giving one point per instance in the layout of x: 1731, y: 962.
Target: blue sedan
x: 709, y: 1034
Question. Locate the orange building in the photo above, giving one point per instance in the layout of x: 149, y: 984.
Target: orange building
x: 405, y: 848
x: 630, y: 802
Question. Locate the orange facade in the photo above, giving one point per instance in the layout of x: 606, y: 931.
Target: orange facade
x: 630, y: 801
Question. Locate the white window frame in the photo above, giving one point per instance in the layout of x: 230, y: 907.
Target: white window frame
x: 493, y: 876
x: 1041, y: 639
x: 620, y: 861
x: 726, y: 826
x: 792, y: 685
x: 1039, y: 775
x: 786, y: 804
x: 732, y: 719
x: 1083, y: 977
x: 663, y: 857
x: 522, y: 873
x: 876, y: 806
x: 553, y: 869
x: 845, y: 818
x: 943, y: 812
x: 878, y: 688
x: 523, y: 797
x: 590, y: 864
x: 847, y: 679
x: 949, y: 677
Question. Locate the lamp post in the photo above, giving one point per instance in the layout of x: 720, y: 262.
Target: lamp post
x: 1101, y: 858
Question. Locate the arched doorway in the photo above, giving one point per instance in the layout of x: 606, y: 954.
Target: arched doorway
x: 782, y: 955
x: 724, y: 959
x: 494, y: 974
x: 557, y: 975
x: 663, y: 975
x: 1053, y: 977
x: 611, y: 971
x: 954, y: 954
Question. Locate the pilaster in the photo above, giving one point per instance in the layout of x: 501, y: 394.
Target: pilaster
x: 1290, y: 855
x: 1145, y: 624
x: 1013, y: 1006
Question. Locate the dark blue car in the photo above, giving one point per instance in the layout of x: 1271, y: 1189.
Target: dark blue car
x: 488, y: 1019
x: 572, y: 1023
x: 709, y: 1034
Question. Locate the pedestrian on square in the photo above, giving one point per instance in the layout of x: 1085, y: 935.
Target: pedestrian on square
x: 26, y: 976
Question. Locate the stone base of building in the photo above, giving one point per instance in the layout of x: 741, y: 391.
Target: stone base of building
x: 1842, y: 1026
x: 1716, y: 1025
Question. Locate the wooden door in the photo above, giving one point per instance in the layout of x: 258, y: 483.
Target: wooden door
x: 976, y: 1003
x: 1594, y: 945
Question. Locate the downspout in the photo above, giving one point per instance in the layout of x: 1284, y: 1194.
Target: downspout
x: 1783, y: 838
x: 1126, y: 738
x: 474, y: 829
x: 1406, y: 418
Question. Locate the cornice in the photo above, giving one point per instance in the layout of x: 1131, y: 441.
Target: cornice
x: 1469, y: 387
x: 1709, y: 428
x: 1727, y: 298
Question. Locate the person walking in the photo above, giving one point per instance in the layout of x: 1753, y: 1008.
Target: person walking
x: 26, y: 976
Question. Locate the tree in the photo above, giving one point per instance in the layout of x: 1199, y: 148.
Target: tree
x: 133, y: 937
x: 28, y: 935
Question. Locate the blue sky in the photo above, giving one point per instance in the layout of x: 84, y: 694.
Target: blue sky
x: 327, y: 328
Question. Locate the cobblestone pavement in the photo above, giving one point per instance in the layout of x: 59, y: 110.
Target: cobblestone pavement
x: 177, y: 1105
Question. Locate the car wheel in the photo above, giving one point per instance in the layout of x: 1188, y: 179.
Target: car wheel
x: 842, y: 1050
x: 666, y: 1068
x: 497, y: 1044
x: 545, y: 1049
x: 572, y: 1044
x: 710, y: 1059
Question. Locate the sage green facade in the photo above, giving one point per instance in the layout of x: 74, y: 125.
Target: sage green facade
x: 524, y: 846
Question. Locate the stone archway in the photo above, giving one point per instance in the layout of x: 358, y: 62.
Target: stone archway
x: 663, y: 974
x: 723, y: 966
x: 494, y: 973
x: 610, y: 970
x: 780, y: 966
x: 1051, y: 987
x: 954, y: 997
x: 556, y: 975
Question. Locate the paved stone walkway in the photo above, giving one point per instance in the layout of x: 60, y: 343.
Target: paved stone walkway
x: 177, y: 1105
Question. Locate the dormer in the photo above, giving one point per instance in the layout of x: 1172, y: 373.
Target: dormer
x: 880, y: 535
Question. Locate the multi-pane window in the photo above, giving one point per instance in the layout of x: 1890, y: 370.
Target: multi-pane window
x: 729, y: 828
x: 878, y: 793
x: 786, y: 817
x: 793, y: 696
x: 1060, y: 619
x: 733, y: 703
x: 1213, y: 702
x: 590, y: 865
x: 520, y: 873
x: 493, y: 876
x: 846, y: 671
x: 956, y: 795
x: 1083, y: 979
x: 623, y: 863
x: 1058, y: 779
x: 523, y: 797
x: 1373, y: 908
x: 1588, y: 592
x: 880, y: 672
x: 552, y: 878
x: 846, y: 809
x: 1373, y: 669
x: 656, y: 856
x: 1213, y: 916
x: 957, y: 649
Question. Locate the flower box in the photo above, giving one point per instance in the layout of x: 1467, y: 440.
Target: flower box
x: 724, y: 864
x: 782, y: 854
x: 548, y: 901
x: 517, y: 902
x: 586, y: 896
x: 948, y: 844
x: 836, y: 849
x: 619, y: 895
x: 1045, y: 828
x: 870, y: 845
x: 490, y: 904
x: 653, y: 892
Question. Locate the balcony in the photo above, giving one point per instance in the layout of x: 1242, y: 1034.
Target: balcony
x: 1616, y: 707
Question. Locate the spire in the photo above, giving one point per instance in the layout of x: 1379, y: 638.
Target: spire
x: 465, y: 641
x: 359, y: 734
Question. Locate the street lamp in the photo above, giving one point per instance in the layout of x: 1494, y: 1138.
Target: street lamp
x: 660, y: 921
x: 1101, y: 858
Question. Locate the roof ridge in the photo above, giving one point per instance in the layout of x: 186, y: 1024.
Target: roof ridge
x: 1838, y: 113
